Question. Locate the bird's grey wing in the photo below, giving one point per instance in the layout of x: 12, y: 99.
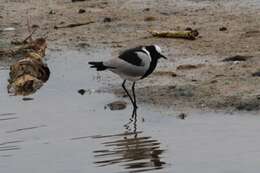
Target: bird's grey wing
x: 122, y: 67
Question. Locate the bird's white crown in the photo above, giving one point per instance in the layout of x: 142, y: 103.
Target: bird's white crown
x: 157, y: 48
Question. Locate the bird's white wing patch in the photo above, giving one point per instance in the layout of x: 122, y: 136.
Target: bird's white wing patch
x: 144, y: 57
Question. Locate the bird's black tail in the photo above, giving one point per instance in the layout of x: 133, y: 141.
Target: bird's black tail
x: 98, y: 65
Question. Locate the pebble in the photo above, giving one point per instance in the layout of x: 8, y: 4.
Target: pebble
x: 222, y: 28
x: 27, y: 98
x: 256, y: 74
x: 81, y: 91
x: 107, y: 19
x: 237, y: 58
x: 182, y: 116
x: 81, y: 11
x: 116, y: 105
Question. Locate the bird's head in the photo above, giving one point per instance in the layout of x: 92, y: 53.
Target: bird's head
x: 155, y: 51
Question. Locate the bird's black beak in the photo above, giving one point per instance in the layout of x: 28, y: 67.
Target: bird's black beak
x: 162, y: 56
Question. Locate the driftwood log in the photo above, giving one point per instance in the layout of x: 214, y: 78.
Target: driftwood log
x: 29, y: 73
x: 188, y: 34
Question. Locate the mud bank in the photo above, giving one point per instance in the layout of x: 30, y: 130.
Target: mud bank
x: 115, y: 25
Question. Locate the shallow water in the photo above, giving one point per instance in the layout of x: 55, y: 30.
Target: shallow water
x: 63, y: 131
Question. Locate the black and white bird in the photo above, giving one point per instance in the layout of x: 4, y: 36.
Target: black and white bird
x: 132, y: 65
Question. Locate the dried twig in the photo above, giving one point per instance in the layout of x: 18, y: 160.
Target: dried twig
x: 30, y: 36
x: 73, y: 25
x: 29, y: 28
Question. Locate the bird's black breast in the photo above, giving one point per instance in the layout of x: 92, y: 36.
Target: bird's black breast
x: 151, y: 68
x: 131, y: 56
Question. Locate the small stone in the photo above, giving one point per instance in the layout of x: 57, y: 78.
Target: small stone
x: 248, y: 106
x: 237, y: 58
x: 107, y: 19
x: 83, y: 45
x: 194, y: 32
x: 174, y: 74
x: 35, y: 26
x: 189, y: 66
x: 222, y: 28
x: 81, y: 11
x: 182, y: 116
x: 256, y: 74
x: 213, y: 81
x: 236, y: 62
x: 150, y: 18
x: 81, y: 91
x: 188, y: 29
x: 117, y: 105
x: 52, y: 12
x: 27, y: 98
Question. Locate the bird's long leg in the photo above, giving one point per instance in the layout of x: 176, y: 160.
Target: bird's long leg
x: 132, y: 101
x: 123, y: 85
x: 135, y: 105
x: 133, y: 90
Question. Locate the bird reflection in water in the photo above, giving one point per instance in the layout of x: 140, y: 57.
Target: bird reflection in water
x: 131, y: 149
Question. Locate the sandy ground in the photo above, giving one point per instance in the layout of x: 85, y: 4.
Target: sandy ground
x: 118, y: 24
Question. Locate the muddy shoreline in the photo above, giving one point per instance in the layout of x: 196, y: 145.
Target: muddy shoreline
x: 211, y: 83
x: 198, y: 112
